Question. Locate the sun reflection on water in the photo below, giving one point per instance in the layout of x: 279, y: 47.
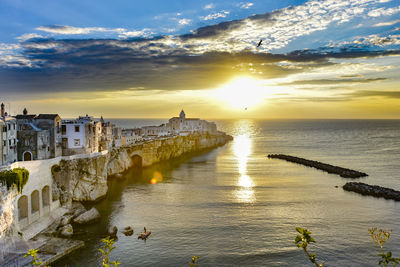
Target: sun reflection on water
x: 242, y: 147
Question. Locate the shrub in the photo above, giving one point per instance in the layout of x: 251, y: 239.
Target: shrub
x: 18, y: 177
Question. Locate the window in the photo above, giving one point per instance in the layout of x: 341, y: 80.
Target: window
x: 77, y: 142
x: 77, y: 128
x: 4, y: 143
x: 63, y: 129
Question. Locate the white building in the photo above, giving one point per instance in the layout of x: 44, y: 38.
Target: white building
x: 183, y: 126
x: 80, y: 136
x: 131, y: 136
x: 156, y: 131
x: 8, y: 138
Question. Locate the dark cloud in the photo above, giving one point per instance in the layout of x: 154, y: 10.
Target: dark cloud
x: 371, y: 93
x: 110, y: 64
x: 332, y: 81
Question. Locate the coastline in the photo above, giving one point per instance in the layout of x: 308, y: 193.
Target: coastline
x: 83, y: 178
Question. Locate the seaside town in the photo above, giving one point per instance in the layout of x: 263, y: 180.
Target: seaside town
x: 27, y: 137
x: 50, y: 165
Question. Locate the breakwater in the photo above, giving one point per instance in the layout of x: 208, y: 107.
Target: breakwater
x: 343, y: 172
x: 372, y: 190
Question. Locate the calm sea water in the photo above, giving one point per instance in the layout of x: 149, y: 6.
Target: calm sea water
x: 234, y: 207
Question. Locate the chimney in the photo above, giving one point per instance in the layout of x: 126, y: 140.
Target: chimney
x: 2, y: 110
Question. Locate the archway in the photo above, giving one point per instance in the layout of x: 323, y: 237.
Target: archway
x: 35, y: 201
x: 136, y: 161
x: 46, y: 196
x: 22, y: 207
x: 27, y: 156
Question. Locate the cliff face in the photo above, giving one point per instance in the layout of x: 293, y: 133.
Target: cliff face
x: 86, y: 179
x: 81, y: 179
x: 7, y: 198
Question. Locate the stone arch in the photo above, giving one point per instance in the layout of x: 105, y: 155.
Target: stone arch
x: 46, y: 196
x: 35, y: 201
x: 137, y: 161
x: 27, y: 156
x: 22, y: 207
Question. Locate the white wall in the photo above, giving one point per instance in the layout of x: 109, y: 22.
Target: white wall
x: 72, y: 135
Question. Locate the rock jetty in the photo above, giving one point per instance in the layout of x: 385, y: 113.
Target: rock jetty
x: 343, y: 172
x: 372, y: 190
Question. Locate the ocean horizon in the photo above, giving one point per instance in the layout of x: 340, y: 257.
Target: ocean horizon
x: 234, y: 207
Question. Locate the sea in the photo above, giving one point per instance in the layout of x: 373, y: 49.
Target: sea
x: 232, y: 206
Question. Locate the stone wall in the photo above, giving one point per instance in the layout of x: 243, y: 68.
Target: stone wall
x: 84, y: 177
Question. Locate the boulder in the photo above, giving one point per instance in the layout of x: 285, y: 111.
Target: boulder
x: 87, y: 217
x: 112, y: 230
x: 66, y: 219
x: 128, y: 231
x: 77, y: 209
x: 67, y: 231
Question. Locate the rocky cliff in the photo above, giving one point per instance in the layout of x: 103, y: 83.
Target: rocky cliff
x: 7, y: 198
x: 85, y: 179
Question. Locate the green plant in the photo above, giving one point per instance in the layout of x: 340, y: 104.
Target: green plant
x: 193, y: 263
x: 18, y: 177
x: 35, y: 261
x: 303, y: 240
x: 108, y: 247
x: 380, y: 239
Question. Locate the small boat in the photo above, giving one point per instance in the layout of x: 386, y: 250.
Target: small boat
x: 144, y: 235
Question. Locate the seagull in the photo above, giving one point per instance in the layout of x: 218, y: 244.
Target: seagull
x: 259, y: 43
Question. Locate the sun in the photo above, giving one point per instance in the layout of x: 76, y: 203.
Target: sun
x: 241, y: 93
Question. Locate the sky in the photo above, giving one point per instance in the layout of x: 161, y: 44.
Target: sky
x: 150, y: 59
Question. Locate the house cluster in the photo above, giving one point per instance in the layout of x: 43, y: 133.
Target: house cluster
x: 26, y: 137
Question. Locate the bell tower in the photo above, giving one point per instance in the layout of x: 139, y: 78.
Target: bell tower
x: 182, y: 115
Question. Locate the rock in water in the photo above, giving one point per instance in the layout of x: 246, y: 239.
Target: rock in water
x: 89, y: 216
x: 77, y: 209
x: 67, y: 231
x: 112, y: 230
x: 66, y: 219
x: 128, y: 231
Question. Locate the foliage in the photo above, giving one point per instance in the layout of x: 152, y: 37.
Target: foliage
x: 18, y: 177
x: 380, y: 239
x: 193, y: 263
x: 108, y: 247
x: 35, y: 260
x: 303, y: 240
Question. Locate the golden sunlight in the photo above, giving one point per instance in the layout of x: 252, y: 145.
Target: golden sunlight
x: 242, y: 149
x: 241, y: 93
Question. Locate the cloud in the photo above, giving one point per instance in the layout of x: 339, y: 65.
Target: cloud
x: 71, y: 30
x: 333, y: 81
x: 387, y: 23
x: 371, y: 93
x: 216, y: 15
x: 384, y: 11
x: 209, y: 6
x: 28, y: 36
x: 206, y: 58
x: 184, y: 21
x: 246, y: 5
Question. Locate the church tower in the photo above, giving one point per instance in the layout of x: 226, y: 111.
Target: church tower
x: 182, y: 115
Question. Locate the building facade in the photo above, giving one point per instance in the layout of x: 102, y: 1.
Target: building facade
x: 184, y: 126
x: 131, y: 136
x: 80, y: 136
x: 39, y: 136
x: 9, y: 137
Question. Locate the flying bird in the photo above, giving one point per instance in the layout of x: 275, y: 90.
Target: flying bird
x: 259, y: 43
